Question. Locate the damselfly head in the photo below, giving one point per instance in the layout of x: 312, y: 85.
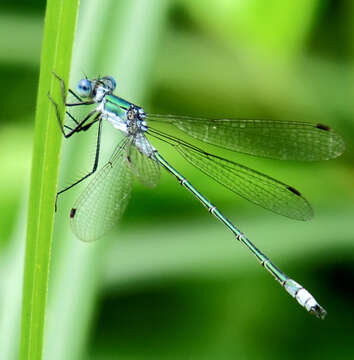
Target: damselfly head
x: 96, y: 87
x: 105, y: 83
x: 84, y: 88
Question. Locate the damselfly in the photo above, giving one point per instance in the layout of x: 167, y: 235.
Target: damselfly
x: 100, y: 205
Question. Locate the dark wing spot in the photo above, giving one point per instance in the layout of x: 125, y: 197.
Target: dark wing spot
x: 323, y: 127
x: 72, y: 213
x: 129, y: 159
x: 293, y: 190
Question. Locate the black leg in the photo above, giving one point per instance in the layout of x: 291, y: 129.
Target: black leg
x: 95, y: 164
x: 63, y: 88
x: 72, y: 118
x: 63, y: 91
x: 67, y: 127
x: 80, y: 124
x: 90, y: 102
x: 71, y: 92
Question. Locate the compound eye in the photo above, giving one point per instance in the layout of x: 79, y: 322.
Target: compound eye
x: 113, y: 82
x: 84, y: 88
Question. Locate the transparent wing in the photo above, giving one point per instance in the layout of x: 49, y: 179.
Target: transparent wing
x: 144, y: 167
x: 105, y: 198
x: 250, y: 184
x: 285, y: 140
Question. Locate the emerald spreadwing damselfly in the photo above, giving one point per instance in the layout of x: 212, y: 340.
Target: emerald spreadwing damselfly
x: 103, y: 201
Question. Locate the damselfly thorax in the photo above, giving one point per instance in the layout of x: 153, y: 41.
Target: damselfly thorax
x: 126, y: 117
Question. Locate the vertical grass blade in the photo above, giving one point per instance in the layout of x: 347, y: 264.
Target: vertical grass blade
x: 59, y: 27
x: 123, y: 44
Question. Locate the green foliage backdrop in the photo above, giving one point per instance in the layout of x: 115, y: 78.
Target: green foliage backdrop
x: 170, y: 282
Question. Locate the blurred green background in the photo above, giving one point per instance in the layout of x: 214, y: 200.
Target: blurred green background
x: 171, y: 282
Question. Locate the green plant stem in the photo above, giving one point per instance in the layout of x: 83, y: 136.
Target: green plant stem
x: 60, y: 22
x: 122, y: 30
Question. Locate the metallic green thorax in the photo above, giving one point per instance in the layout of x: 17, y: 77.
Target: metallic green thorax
x: 116, y: 105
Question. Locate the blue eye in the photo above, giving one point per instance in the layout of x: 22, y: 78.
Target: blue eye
x: 112, y: 84
x: 84, y: 88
